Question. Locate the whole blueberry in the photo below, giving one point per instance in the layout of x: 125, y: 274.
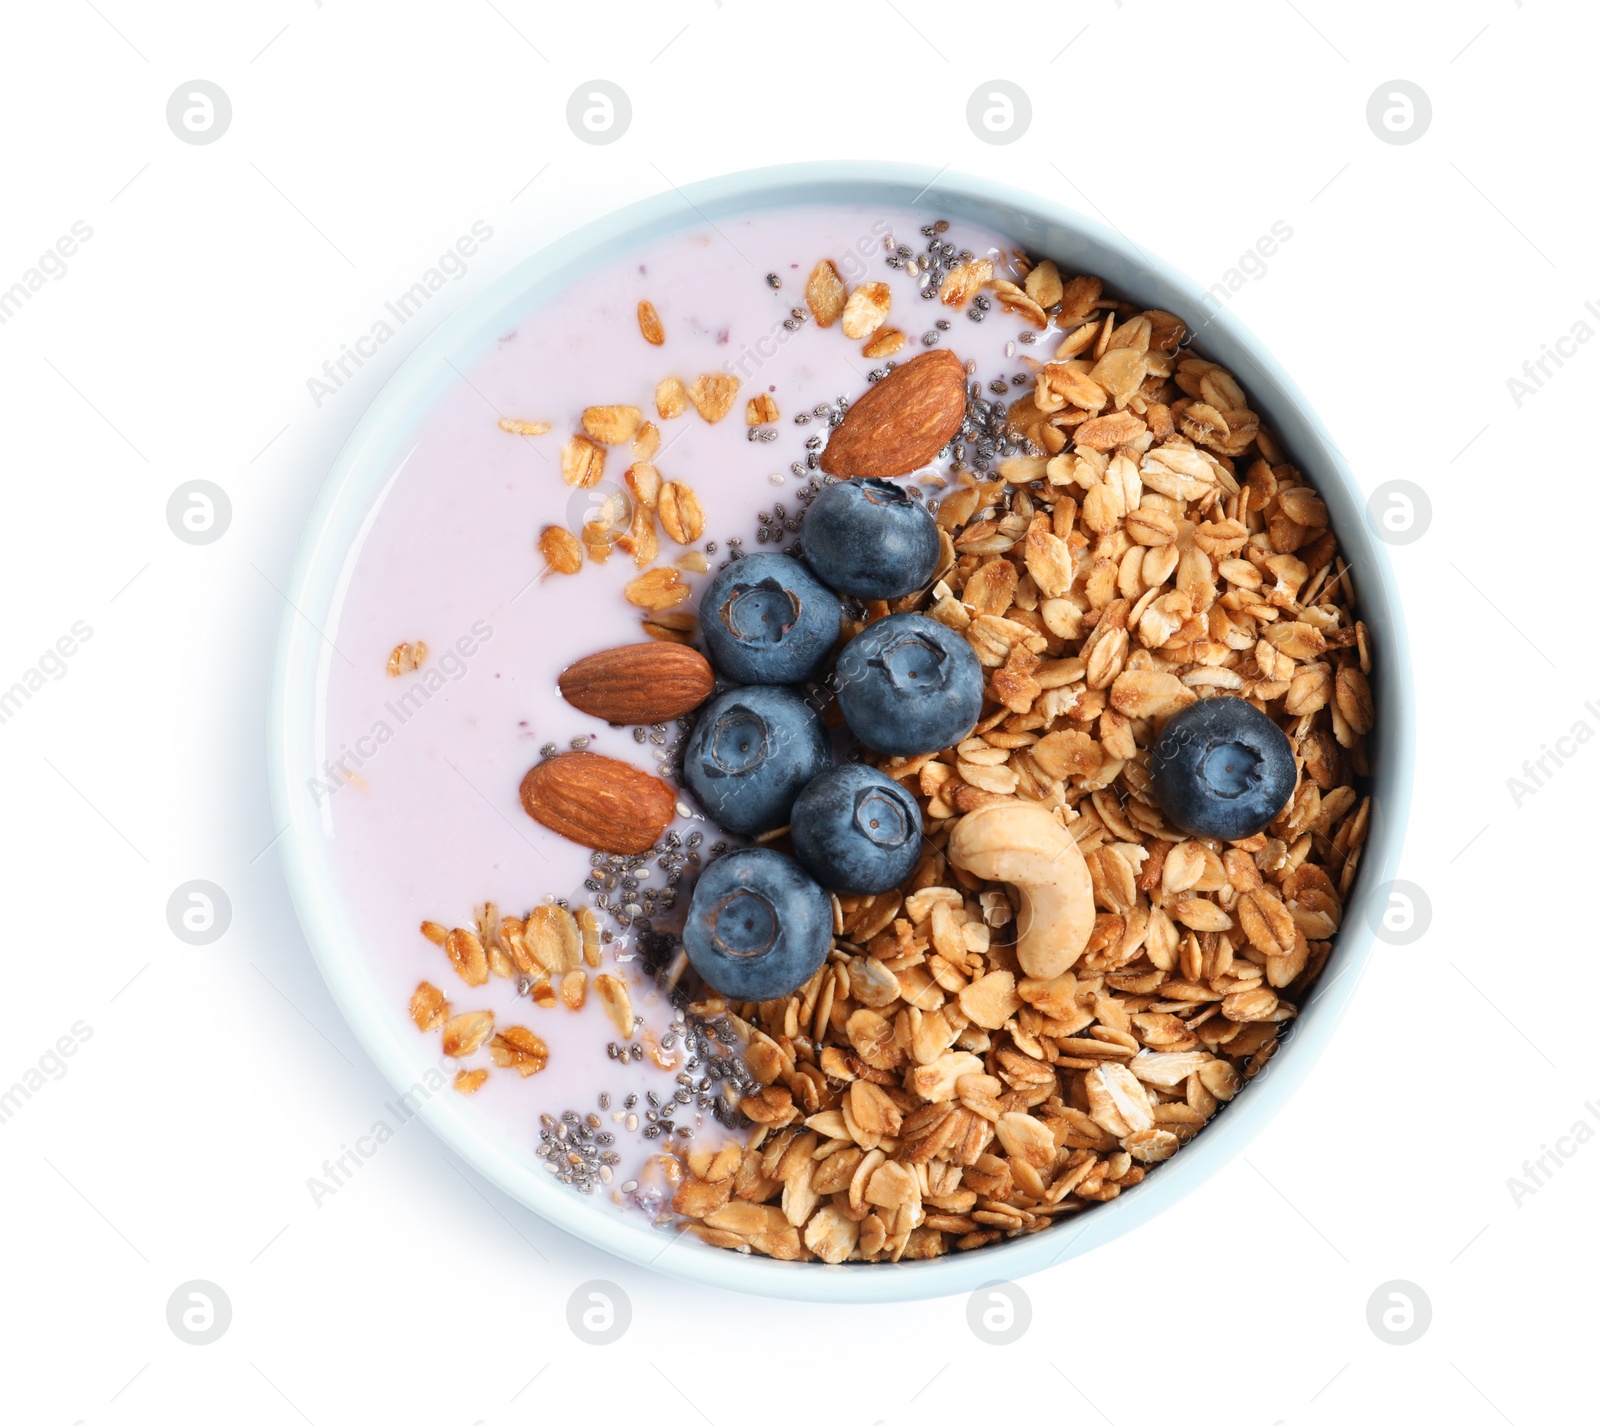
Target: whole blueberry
x: 908, y: 685
x: 1222, y: 768
x: 870, y: 539
x: 856, y: 830
x: 758, y: 926
x: 768, y: 619
x: 750, y: 753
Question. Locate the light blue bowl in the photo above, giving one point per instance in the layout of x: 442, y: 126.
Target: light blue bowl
x: 355, y: 483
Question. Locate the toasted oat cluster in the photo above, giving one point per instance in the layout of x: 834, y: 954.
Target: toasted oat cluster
x: 920, y: 1094
x: 546, y: 952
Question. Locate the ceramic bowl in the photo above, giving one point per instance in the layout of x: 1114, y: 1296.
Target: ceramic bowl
x: 1046, y: 229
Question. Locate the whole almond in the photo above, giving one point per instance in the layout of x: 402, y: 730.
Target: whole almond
x: 598, y: 802
x: 903, y: 422
x: 639, y: 683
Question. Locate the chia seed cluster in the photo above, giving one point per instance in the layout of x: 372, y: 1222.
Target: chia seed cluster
x: 934, y: 263
x: 578, y: 1148
x: 611, y: 873
x: 984, y: 438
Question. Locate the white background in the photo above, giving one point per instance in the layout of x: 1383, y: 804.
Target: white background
x: 367, y: 137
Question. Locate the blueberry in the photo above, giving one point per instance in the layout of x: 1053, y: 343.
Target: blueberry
x: 751, y: 752
x: 758, y: 926
x: 1222, y: 768
x: 908, y: 685
x: 768, y: 619
x: 856, y: 830
x: 870, y: 539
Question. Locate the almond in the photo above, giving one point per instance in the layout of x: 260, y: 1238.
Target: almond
x: 639, y: 683
x: 598, y: 802
x: 903, y: 422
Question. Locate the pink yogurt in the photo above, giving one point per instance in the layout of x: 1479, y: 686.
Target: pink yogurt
x: 425, y: 817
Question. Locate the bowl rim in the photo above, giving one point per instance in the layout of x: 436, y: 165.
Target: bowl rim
x: 316, y: 584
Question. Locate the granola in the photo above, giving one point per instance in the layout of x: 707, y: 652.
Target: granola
x: 920, y: 1094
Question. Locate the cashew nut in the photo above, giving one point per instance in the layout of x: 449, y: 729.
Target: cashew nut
x: 1023, y: 844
